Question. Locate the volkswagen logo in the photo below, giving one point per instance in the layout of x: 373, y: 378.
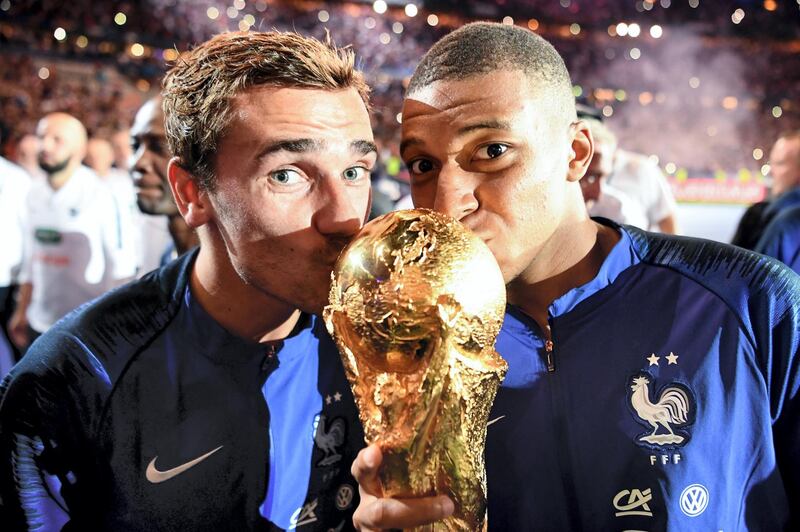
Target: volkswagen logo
x: 694, y: 500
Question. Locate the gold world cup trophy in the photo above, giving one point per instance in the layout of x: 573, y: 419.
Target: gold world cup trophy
x: 416, y: 303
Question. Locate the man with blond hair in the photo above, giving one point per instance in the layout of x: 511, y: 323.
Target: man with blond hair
x: 206, y: 395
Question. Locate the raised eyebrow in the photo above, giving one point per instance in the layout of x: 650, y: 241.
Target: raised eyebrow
x: 292, y: 145
x: 363, y: 147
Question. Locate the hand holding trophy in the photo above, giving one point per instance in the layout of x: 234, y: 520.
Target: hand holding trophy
x: 416, y: 303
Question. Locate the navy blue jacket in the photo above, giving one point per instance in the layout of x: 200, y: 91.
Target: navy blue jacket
x: 670, y: 403
x: 140, y: 412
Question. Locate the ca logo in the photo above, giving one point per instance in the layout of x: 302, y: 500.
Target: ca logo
x: 694, y: 500
x: 633, y: 502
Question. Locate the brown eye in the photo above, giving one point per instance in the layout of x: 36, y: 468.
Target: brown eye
x: 491, y: 151
x: 420, y: 166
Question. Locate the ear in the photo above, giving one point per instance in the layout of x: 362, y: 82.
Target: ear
x: 192, y: 202
x: 581, y: 150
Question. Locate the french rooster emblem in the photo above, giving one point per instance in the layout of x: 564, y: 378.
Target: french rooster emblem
x: 328, y: 438
x: 673, y: 409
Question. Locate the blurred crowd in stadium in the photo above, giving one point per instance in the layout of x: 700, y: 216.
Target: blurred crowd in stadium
x: 707, y: 76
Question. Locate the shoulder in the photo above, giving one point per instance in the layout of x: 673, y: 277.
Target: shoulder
x: 786, y: 220
x: 762, y: 291
x: 99, y: 338
x: 13, y: 175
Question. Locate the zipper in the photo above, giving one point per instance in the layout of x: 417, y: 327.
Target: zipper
x: 269, y: 356
x: 549, y: 350
x: 561, y: 432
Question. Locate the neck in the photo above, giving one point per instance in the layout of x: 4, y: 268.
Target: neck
x: 183, y: 236
x: 559, y: 268
x: 59, y: 179
x: 239, y: 307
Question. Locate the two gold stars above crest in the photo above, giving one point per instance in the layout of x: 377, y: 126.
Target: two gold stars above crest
x: 672, y: 358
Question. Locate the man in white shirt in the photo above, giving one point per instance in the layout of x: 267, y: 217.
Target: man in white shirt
x: 14, y: 185
x: 136, y: 227
x: 27, y: 156
x: 74, y: 246
x: 637, y: 177
x: 603, y: 199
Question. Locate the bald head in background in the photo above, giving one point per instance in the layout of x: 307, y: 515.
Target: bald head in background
x: 121, y: 142
x: 62, y: 146
x: 99, y: 156
x: 784, y: 160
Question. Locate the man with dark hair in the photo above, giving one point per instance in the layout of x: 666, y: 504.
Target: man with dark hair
x: 153, y: 196
x: 206, y: 396
x: 653, y: 380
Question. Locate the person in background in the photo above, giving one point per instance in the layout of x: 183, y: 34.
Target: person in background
x: 14, y: 186
x: 121, y: 142
x: 781, y: 238
x: 784, y: 161
x: 153, y: 196
x: 601, y: 198
x: 100, y: 158
x: 642, y: 180
x: 27, y: 156
x: 75, y: 249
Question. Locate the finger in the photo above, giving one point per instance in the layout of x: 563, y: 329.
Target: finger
x: 403, y: 513
x: 365, y: 470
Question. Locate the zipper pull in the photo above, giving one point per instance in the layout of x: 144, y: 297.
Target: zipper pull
x: 551, y: 359
x: 269, y: 357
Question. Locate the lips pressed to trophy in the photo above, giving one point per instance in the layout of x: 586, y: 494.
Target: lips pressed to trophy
x: 416, y: 303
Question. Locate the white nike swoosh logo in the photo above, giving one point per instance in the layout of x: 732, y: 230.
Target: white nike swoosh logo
x: 495, y: 420
x: 155, y: 476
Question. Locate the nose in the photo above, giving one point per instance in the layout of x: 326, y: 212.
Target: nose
x: 455, y: 193
x: 45, y: 143
x: 137, y: 163
x: 342, y: 208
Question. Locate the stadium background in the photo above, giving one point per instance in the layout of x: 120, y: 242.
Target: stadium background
x: 702, y: 86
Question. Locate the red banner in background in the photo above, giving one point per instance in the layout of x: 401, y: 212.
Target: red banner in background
x: 713, y: 190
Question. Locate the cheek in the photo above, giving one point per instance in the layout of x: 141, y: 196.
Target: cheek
x: 361, y: 198
x: 423, y: 195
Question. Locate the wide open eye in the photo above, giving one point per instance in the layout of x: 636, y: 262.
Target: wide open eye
x: 354, y: 173
x: 285, y: 176
x: 420, y: 166
x: 490, y: 151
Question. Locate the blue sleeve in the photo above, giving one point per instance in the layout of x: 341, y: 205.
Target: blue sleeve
x: 774, y: 315
x: 781, y: 239
x: 29, y: 485
x: 46, y: 454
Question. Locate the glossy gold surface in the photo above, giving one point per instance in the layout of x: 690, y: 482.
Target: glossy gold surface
x: 416, y: 303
